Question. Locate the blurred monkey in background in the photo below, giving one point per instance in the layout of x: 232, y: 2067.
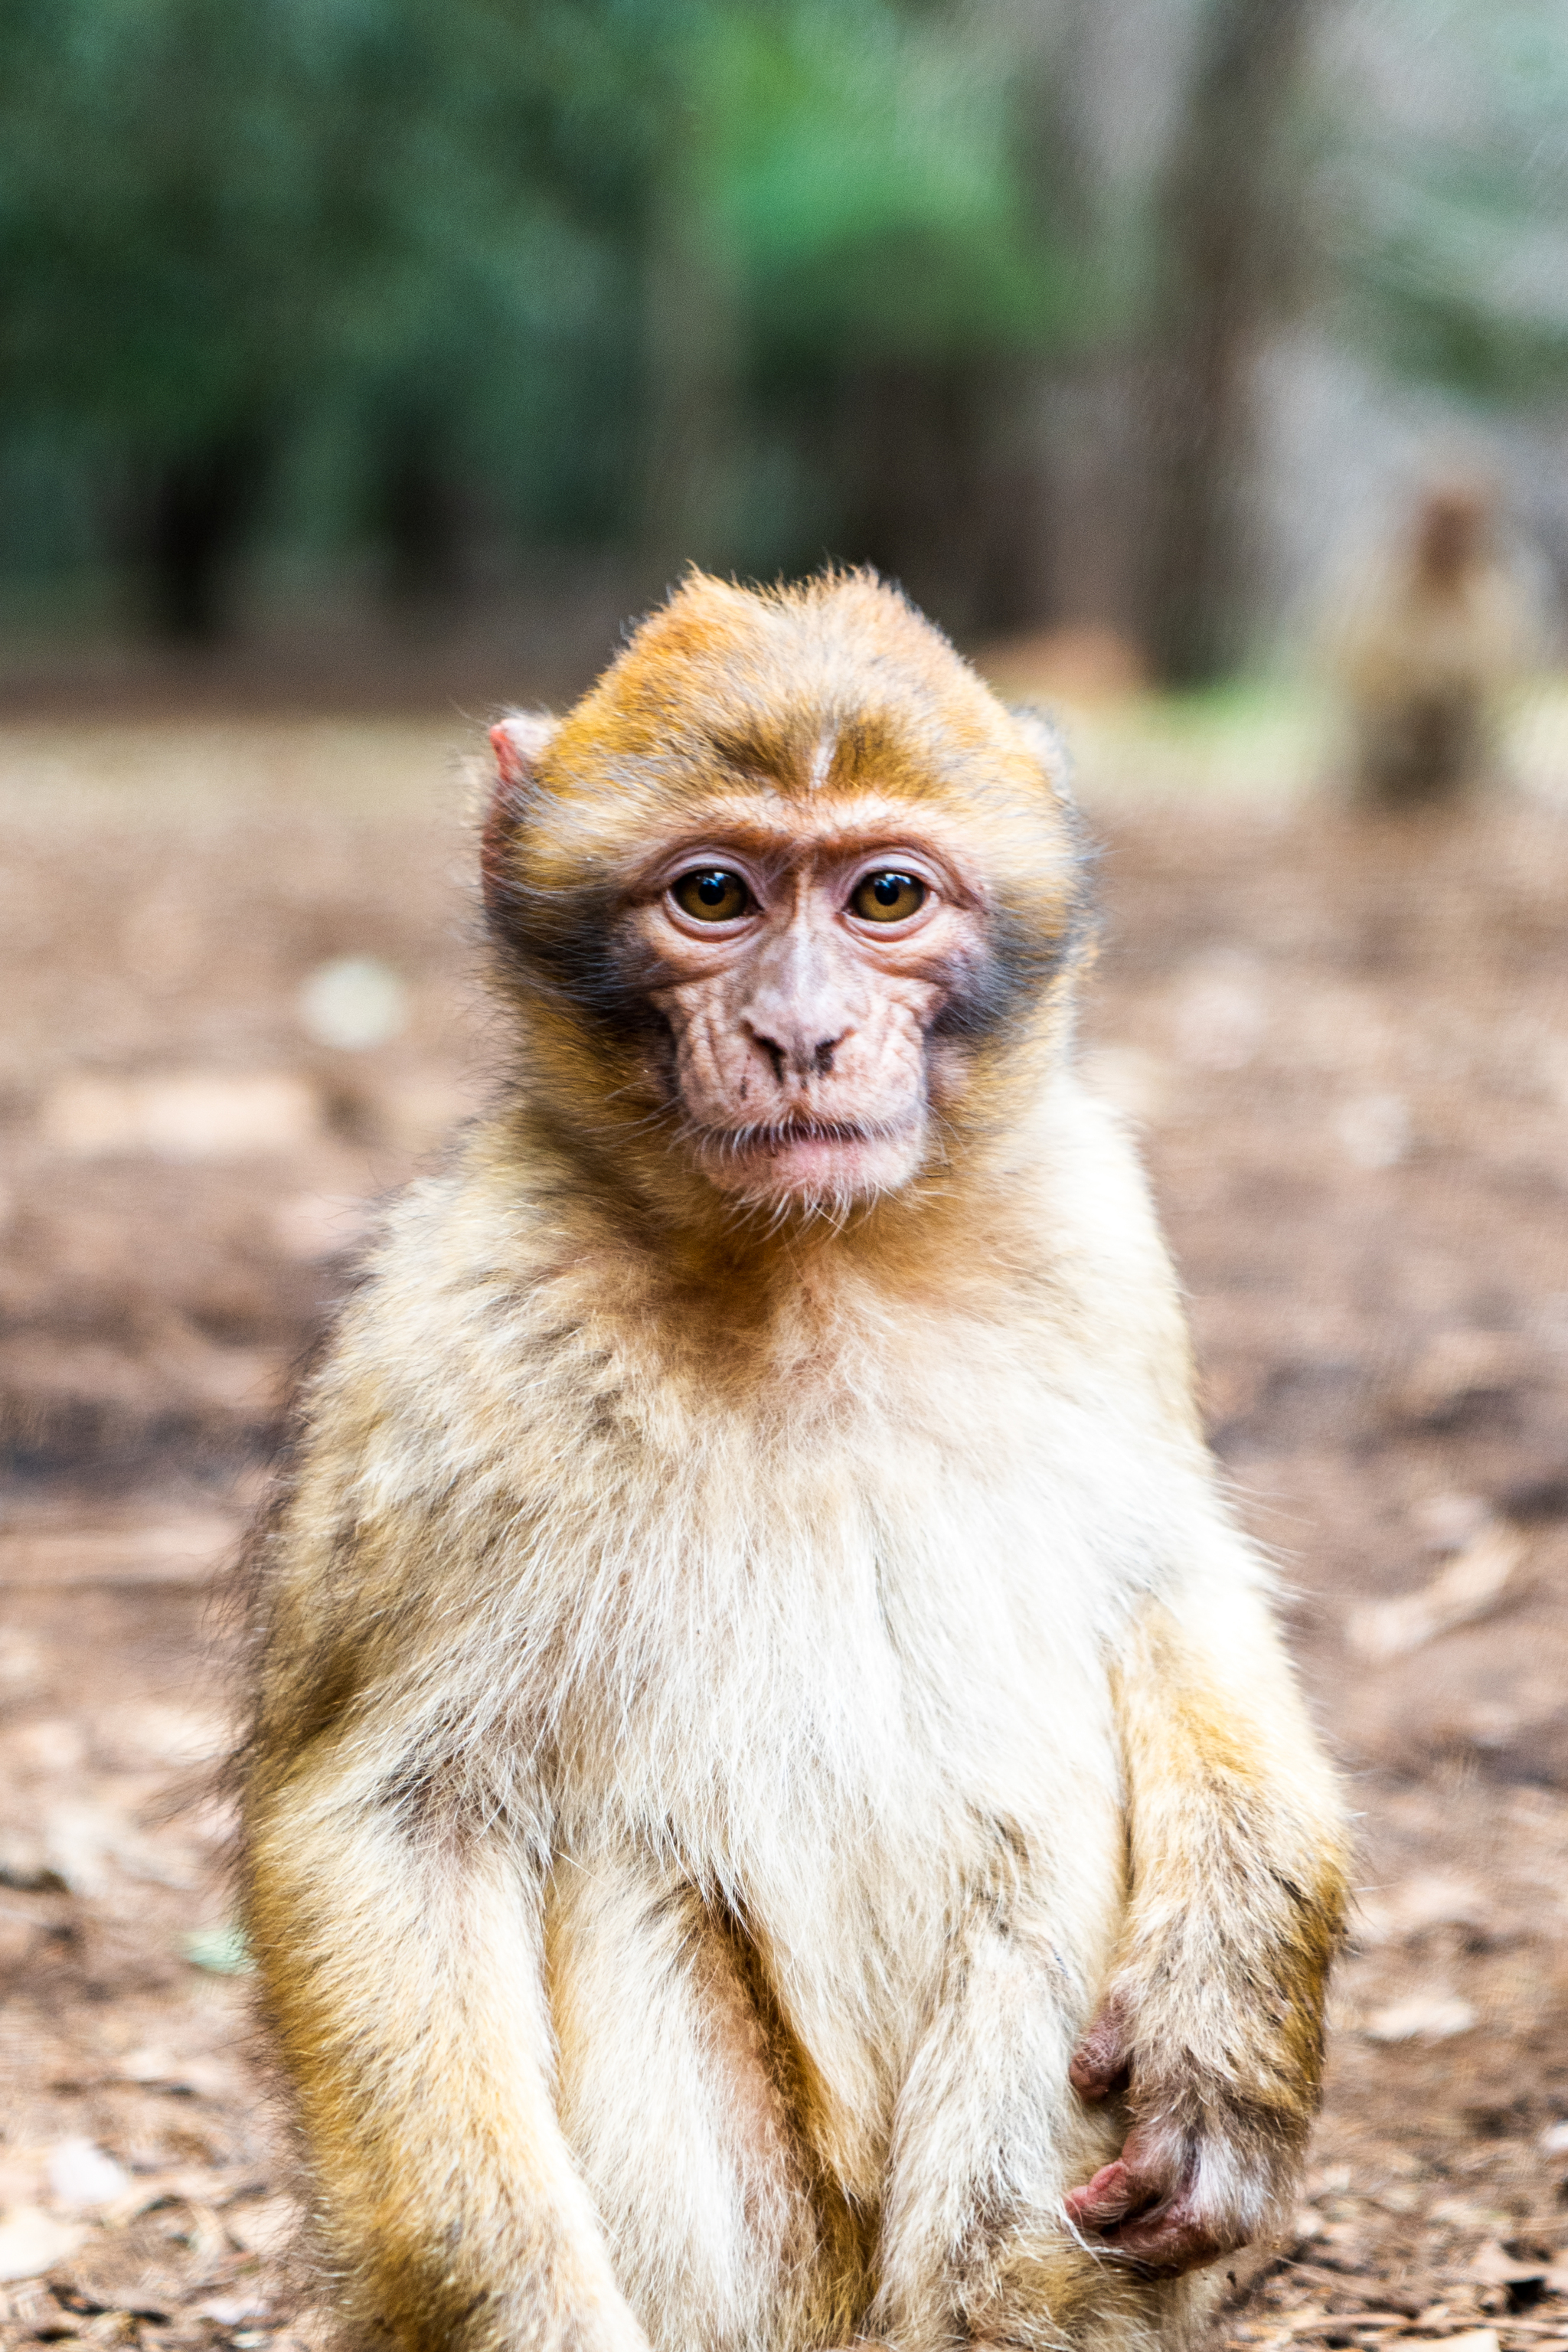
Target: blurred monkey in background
x: 777, y: 1813
x: 1425, y: 647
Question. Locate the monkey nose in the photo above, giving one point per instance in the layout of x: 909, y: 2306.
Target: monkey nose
x: 797, y: 1051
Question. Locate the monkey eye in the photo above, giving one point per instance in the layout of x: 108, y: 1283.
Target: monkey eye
x: 711, y: 894
x: 889, y: 897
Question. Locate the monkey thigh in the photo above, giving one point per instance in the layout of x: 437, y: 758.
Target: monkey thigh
x: 679, y: 2107
x: 988, y: 2122
x: 1049, y: 2294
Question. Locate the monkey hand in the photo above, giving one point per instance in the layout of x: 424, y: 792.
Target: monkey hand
x: 1199, y: 2172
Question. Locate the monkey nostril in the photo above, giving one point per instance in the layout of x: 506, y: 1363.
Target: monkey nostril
x: 797, y: 1058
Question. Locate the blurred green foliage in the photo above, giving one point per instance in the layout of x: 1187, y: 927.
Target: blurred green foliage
x: 438, y: 281
x: 359, y: 260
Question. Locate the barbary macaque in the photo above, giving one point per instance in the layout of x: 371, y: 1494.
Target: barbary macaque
x: 1423, y: 645
x: 777, y: 1813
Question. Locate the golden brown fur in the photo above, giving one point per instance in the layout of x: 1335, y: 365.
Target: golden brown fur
x: 754, y: 1672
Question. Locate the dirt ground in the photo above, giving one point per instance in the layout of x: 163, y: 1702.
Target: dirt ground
x: 1343, y: 1044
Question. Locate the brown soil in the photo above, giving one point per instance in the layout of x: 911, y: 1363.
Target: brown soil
x: 1344, y: 1043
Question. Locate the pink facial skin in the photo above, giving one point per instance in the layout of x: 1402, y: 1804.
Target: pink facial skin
x: 800, y: 1026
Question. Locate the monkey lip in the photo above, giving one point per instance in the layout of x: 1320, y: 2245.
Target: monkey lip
x: 805, y: 1155
x: 786, y: 1131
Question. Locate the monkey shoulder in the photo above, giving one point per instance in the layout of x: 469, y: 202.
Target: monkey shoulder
x: 1115, y: 1301
x: 449, y: 1347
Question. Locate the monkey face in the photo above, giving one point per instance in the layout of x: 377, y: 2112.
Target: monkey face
x: 801, y: 971
x: 790, y: 898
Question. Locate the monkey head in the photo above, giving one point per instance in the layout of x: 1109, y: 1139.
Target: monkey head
x: 788, y: 901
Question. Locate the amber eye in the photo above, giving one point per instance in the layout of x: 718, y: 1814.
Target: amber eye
x: 710, y: 894
x: 889, y: 897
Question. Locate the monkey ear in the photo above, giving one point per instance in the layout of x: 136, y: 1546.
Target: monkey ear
x: 518, y: 742
x: 1046, y: 741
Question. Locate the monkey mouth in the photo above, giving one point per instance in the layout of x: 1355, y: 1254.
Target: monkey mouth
x: 801, y: 1127
x: 781, y: 1133
x: 805, y: 1155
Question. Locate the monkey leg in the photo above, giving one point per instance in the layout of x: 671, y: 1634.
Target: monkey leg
x: 684, y: 2100
x: 989, y: 2136
x: 400, y: 1960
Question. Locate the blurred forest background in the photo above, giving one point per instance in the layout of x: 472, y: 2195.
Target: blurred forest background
x: 327, y: 318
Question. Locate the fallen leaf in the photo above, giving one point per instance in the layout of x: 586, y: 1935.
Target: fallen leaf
x: 208, y: 2078
x: 182, y: 1115
x: 53, y: 1744
x: 265, y: 2227
x: 32, y: 2243
x: 353, y: 1003
x: 1457, y: 1366
x: 1470, y: 1588
x: 1464, y: 2213
x: 1426, y: 1899
x: 1310, y: 2323
x: 83, y: 2175
x: 190, y: 2186
x: 84, y: 1837
x: 1449, y: 1521
x: 1421, y: 2017
x: 26, y: 1868
x: 1374, y: 1130
x: 1496, y: 2267
x: 169, y: 1548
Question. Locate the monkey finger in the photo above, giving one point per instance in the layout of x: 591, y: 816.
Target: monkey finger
x: 1115, y: 2191
x: 1174, y: 2237
x: 1099, y: 2202
x: 1099, y: 2067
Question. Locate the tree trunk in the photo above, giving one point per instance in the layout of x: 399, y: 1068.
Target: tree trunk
x: 1224, y: 204
x: 912, y: 446
x: 416, y: 513
x: 694, y: 361
x: 198, y: 513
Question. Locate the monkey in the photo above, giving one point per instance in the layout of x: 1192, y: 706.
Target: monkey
x: 1422, y: 650
x: 777, y: 1815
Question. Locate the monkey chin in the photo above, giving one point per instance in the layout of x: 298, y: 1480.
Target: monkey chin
x: 813, y: 1166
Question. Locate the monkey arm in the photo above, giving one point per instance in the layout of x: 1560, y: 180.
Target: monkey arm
x: 1212, y: 2022
x: 401, y: 1966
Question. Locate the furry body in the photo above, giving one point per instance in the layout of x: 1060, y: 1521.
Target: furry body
x: 740, y: 1703
x: 1426, y: 644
